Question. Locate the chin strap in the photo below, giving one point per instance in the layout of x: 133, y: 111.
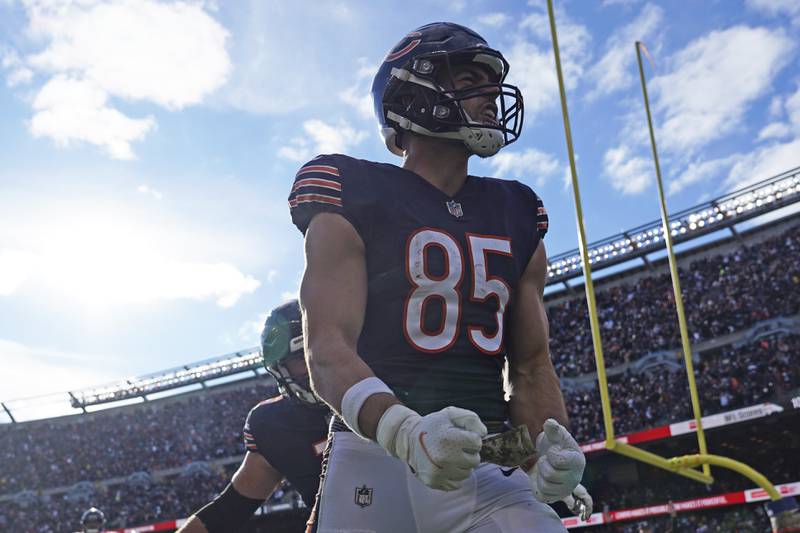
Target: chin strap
x: 483, y: 142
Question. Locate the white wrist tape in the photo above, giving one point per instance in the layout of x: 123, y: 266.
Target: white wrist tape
x: 388, y: 426
x: 354, y: 399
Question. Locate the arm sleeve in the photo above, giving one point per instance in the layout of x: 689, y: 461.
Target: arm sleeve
x: 249, y: 436
x: 534, y: 214
x: 542, y: 222
x: 326, y: 184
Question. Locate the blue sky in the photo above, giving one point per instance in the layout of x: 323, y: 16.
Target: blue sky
x: 147, y: 148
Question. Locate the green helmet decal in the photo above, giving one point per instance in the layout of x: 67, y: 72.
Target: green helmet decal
x: 283, y: 325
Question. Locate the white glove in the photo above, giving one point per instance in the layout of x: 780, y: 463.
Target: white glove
x: 559, y: 468
x: 580, y: 502
x: 441, y: 448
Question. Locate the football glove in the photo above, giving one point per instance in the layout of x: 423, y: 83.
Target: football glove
x: 559, y: 468
x: 580, y: 502
x: 442, y: 448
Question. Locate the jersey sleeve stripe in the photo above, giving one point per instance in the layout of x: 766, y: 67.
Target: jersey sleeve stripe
x: 319, y: 198
x: 316, y: 182
x: 324, y: 169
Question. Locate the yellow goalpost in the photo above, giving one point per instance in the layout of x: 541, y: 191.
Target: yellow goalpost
x: 683, y: 465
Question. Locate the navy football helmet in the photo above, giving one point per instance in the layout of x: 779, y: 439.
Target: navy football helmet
x: 408, y: 96
x: 93, y: 520
x: 282, y: 341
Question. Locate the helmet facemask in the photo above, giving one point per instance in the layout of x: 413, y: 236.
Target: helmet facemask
x: 93, y: 520
x: 289, y: 385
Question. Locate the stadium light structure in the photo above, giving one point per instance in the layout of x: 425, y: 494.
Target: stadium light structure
x: 726, y: 211
x: 199, y: 372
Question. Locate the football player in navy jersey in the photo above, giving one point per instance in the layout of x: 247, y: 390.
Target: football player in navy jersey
x: 421, y: 283
x: 284, y: 436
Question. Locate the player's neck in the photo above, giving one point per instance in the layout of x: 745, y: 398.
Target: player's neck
x: 442, y: 163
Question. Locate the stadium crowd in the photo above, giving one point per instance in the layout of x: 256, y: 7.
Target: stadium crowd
x: 722, y: 294
x: 207, y: 426
x: 137, y: 501
x: 108, y: 444
x: 750, y: 519
x: 727, y: 379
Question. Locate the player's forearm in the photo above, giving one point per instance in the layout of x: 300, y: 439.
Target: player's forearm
x: 334, y: 368
x: 536, y: 396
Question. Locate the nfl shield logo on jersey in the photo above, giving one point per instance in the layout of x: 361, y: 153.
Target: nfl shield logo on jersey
x: 455, y: 209
x: 363, y: 496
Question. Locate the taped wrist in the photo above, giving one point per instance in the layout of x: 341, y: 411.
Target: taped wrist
x: 353, y: 400
x: 392, y: 420
x: 227, y: 512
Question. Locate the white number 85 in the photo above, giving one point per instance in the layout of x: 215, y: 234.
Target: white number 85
x: 445, y: 288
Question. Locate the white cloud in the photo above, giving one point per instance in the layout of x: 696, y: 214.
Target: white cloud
x: 775, y: 106
x: 271, y: 275
x: 530, y: 164
x: 358, y: 95
x: 33, y: 370
x: 764, y: 163
x: 171, y: 54
x: 280, y: 69
x: 533, y: 68
x: 627, y: 173
x: 616, y: 69
x: 776, y: 130
x: 566, y: 178
x: 738, y: 62
x: 250, y: 331
x: 298, y: 151
x: 456, y: 6
x: 793, y: 110
x: 146, y: 189
x: 703, y: 171
x: 574, y: 42
x: 533, y: 71
x: 15, y: 268
x: 493, y: 20
x: 607, y: 3
x: 18, y: 73
x: 288, y: 295
x: 778, y: 8
x: 322, y: 138
x: 101, y: 262
x: 68, y: 110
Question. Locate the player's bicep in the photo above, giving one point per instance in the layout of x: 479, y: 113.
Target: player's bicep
x: 333, y: 291
x: 530, y: 328
x: 256, y: 478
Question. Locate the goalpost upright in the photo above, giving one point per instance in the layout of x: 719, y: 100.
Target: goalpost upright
x: 682, y: 465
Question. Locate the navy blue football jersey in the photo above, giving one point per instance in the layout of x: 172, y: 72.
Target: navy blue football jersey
x: 291, y: 437
x: 442, y: 273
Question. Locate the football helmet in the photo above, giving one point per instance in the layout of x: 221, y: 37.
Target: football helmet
x: 93, y: 520
x: 281, y: 341
x: 408, y: 95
